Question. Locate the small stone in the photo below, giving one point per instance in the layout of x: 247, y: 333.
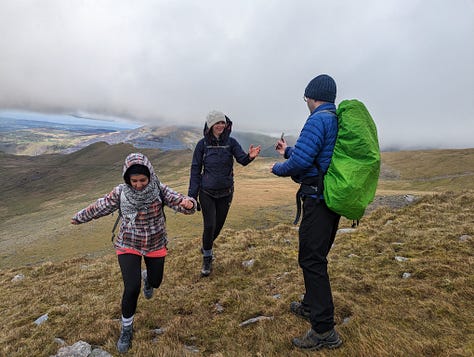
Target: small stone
x: 41, y: 319
x: 59, y: 341
x: 406, y: 275
x: 192, y: 349
x: 409, y: 198
x: 400, y: 259
x: 464, y: 238
x: 248, y: 263
x: 159, y: 331
x: 254, y: 320
x: 18, y: 277
x: 219, y: 308
x: 346, y: 230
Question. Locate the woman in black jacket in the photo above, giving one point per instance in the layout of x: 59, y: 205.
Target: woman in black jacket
x: 212, y: 178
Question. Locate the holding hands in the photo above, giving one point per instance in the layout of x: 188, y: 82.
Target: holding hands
x: 186, y: 203
x: 254, y: 151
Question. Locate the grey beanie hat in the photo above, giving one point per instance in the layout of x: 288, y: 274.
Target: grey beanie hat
x: 213, y: 117
x: 322, y: 87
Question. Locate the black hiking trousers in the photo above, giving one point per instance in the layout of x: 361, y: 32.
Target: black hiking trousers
x: 214, y: 213
x: 316, y: 235
x: 131, y: 267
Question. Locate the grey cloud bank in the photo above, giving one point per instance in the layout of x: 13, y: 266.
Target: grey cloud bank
x: 411, y: 62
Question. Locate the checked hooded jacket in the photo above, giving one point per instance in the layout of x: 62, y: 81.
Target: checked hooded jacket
x: 147, y: 232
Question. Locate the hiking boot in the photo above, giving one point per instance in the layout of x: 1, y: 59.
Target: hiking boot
x: 300, y: 310
x: 315, y: 341
x: 206, y: 266
x: 125, y: 340
x: 147, y: 288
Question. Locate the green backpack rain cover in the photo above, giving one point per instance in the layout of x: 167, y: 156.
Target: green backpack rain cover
x: 352, y: 176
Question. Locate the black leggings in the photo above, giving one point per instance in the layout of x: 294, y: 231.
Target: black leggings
x: 214, y: 214
x: 131, y: 267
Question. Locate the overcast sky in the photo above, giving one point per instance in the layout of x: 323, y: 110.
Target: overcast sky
x: 411, y: 62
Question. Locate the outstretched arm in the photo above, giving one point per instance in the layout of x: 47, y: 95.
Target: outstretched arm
x: 102, y: 207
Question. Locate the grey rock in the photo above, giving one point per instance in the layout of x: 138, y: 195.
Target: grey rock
x: 254, y: 320
x: 79, y: 349
x: 192, y: 349
x: 400, y: 259
x: 346, y: 230
x: 59, y: 341
x: 97, y: 352
x: 159, y: 331
x: 17, y: 278
x: 248, y: 263
x: 41, y: 319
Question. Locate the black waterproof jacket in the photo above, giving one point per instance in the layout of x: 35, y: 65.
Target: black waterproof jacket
x: 213, y: 161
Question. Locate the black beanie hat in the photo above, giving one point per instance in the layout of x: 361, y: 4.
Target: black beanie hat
x: 322, y: 87
x: 136, y: 169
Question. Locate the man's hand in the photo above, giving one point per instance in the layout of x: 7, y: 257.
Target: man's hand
x: 281, y: 146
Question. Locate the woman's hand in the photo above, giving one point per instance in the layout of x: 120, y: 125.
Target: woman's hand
x: 186, y: 203
x: 254, y: 151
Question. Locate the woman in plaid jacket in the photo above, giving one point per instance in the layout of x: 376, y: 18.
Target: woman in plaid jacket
x: 142, y: 232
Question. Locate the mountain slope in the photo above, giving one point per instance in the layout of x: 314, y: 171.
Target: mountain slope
x: 416, y: 306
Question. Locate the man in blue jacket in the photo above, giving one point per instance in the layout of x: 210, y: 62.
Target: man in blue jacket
x: 306, y: 163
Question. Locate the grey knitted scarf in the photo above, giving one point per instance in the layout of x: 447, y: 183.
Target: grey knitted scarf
x: 131, y: 200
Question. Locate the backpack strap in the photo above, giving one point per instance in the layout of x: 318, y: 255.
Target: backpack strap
x: 312, y: 188
x: 119, y: 215
x: 115, y: 227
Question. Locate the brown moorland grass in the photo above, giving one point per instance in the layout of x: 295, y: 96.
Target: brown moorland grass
x: 71, y: 272
x: 378, y: 313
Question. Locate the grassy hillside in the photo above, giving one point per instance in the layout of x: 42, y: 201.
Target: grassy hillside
x: 378, y: 313
x: 71, y: 272
x: 39, y: 194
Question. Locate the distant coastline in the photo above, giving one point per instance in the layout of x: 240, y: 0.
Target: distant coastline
x: 33, y: 119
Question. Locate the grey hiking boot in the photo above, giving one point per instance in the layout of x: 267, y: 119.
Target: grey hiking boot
x: 147, y: 288
x: 206, y: 266
x: 315, y: 341
x: 301, y: 310
x: 125, y: 340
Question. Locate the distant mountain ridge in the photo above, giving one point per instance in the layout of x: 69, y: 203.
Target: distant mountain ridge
x: 25, y: 137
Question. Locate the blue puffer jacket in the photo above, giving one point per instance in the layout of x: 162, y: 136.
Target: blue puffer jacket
x: 213, y: 162
x: 316, y: 141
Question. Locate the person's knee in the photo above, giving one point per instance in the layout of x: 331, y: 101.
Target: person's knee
x: 132, y: 290
x: 156, y: 282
